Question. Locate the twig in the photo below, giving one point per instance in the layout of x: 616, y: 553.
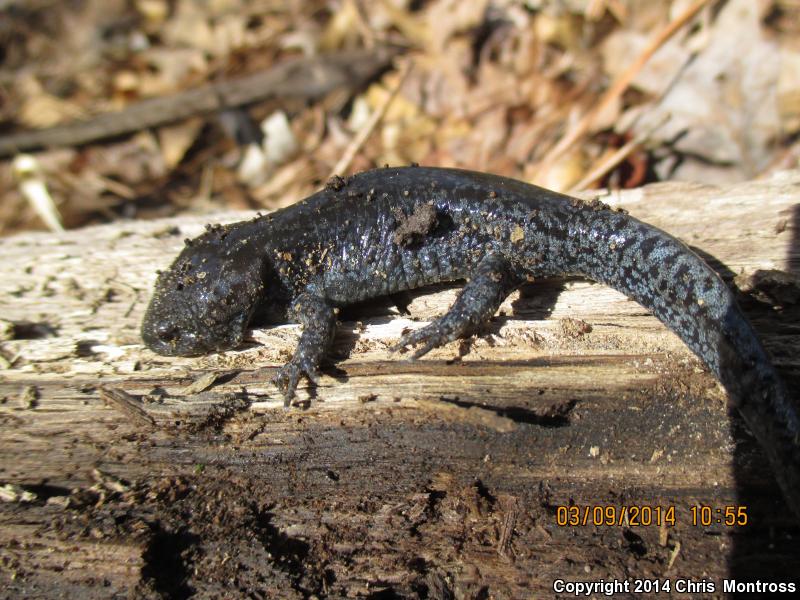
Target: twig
x: 616, y: 157
x: 363, y: 134
x: 129, y: 405
x: 620, y: 85
x: 362, y: 23
x: 297, y: 78
x: 673, y: 555
x: 606, y: 165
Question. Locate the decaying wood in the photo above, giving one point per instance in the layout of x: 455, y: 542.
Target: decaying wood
x: 298, y: 78
x: 440, y: 478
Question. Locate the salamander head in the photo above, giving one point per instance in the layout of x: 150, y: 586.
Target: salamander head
x: 204, y: 302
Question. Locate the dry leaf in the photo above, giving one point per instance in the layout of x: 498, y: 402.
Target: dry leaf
x: 175, y: 140
x: 723, y: 107
x: 40, y: 109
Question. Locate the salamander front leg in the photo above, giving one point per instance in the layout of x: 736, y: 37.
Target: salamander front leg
x: 318, y: 319
x: 492, y: 281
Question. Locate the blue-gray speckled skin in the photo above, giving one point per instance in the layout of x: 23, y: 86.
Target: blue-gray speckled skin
x: 340, y: 246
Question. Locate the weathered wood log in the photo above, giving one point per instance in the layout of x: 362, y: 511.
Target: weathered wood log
x: 127, y: 472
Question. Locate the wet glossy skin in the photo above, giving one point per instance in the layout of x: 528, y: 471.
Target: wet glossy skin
x: 351, y: 242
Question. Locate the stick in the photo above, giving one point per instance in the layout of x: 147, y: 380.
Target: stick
x: 363, y: 134
x: 309, y: 78
x: 615, y: 158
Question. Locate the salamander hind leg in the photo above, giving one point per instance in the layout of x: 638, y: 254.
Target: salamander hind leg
x: 493, y: 280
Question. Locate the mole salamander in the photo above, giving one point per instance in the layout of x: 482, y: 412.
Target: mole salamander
x: 393, y: 229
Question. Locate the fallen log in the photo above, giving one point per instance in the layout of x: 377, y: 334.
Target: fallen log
x: 444, y: 478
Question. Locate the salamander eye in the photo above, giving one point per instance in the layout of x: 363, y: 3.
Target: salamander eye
x: 167, y: 333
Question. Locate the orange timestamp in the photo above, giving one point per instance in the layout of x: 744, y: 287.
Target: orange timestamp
x: 730, y: 516
x: 629, y: 515
x: 643, y: 515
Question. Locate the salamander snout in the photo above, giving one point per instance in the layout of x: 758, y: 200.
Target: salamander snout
x: 164, y: 336
x: 177, y: 331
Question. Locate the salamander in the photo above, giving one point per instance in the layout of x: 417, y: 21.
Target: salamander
x: 388, y: 230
